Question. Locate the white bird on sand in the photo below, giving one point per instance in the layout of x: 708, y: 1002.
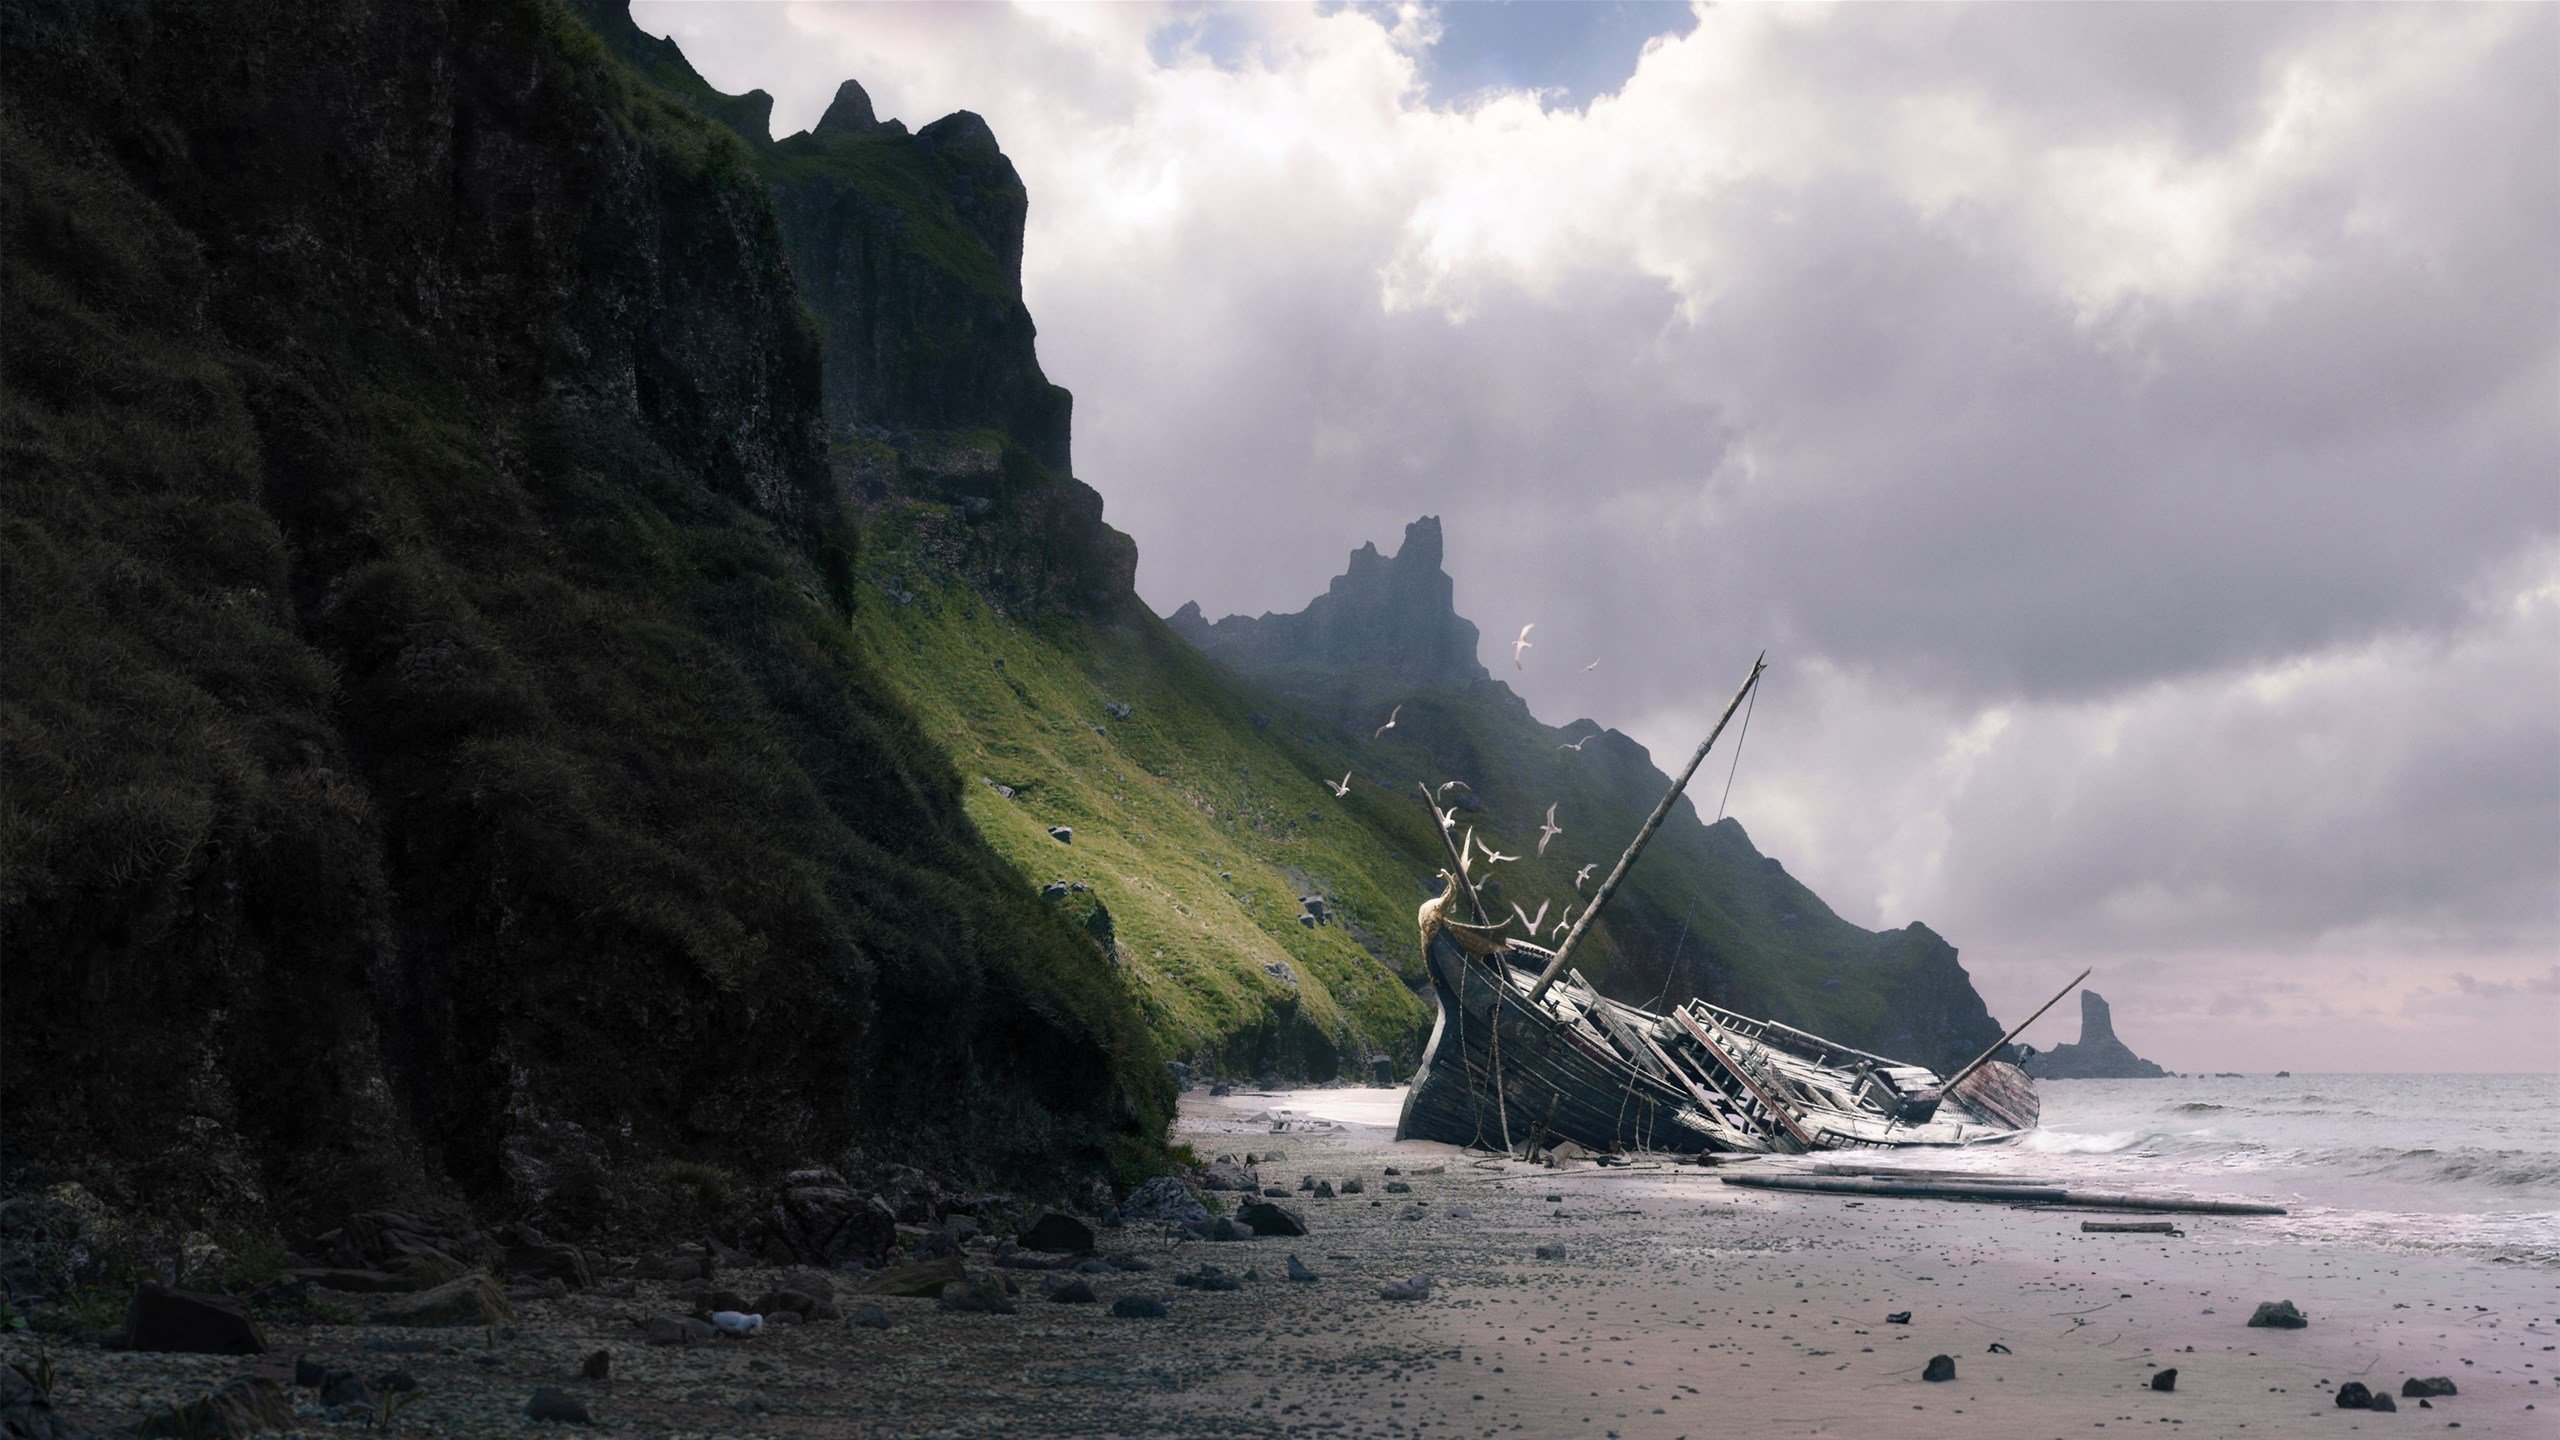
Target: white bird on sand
x: 1548, y: 831
x: 1583, y: 874
x: 1344, y: 788
x: 1522, y: 644
x: 1576, y: 746
x: 1594, y: 665
x: 1532, y: 926
x: 1391, y: 722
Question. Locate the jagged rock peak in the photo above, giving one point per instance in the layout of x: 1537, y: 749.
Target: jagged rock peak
x: 2097, y: 1055
x: 1389, y: 615
x: 850, y: 112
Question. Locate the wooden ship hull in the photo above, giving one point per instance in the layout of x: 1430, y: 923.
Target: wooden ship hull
x: 1505, y: 1071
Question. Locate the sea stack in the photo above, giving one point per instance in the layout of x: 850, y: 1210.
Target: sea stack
x: 2098, y: 1054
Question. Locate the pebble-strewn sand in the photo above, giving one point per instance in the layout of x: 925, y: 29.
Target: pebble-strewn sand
x: 1682, y: 1307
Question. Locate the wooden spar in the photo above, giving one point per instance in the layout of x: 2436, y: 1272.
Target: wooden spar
x: 2007, y: 1194
x: 1457, y: 863
x: 1980, y: 1060
x: 1653, y: 822
x: 1771, y: 1103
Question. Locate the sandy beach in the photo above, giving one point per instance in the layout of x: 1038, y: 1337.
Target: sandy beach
x: 1680, y: 1306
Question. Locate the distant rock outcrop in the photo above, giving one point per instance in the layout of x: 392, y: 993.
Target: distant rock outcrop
x: 1390, y: 616
x: 2098, y: 1055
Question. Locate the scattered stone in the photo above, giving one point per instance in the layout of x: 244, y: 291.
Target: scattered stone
x: 869, y: 1317
x: 308, y: 1373
x: 1058, y: 1233
x: 185, y: 1323
x: 1417, y: 1287
x: 1411, y: 1212
x: 345, y: 1387
x: 1073, y: 1292
x: 1063, y: 834
x: 1898, y: 1317
x: 977, y: 1295
x: 1270, y: 1218
x: 1354, y: 1186
x: 599, y: 1366
x: 1999, y: 1349
x: 557, y: 1407
x: 1941, y: 1367
x: 1298, y: 1271
x: 1324, y: 1190
x: 1165, y: 1199
x: 1551, y: 1252
x: 2413, y: 1387
x: 2277, y: 1315
x: 1056, y: 890
x: 1228, y: 1175
x: 1210, y: 1278
x: 1398, y: 1187
x: 679, y: 1330
x: 474, y: 1299
x: 2166, y: 1380
x: 2354, y: 1396
x: 793, y: 1307
x: 921, y: 1279
x: 1137, y: 1307
x: 2382, y: 1401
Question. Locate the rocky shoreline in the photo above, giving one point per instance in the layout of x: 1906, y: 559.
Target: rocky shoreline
x: 1443, y: 1293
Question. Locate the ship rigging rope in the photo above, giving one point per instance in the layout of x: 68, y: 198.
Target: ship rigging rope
x: 1738, y: 741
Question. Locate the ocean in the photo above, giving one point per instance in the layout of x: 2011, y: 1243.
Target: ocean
x: 2455, y: 1165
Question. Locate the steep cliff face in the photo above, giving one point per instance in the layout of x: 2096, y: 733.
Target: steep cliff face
x: 907, y: 248
x: 1392, y: 617
x: 2097, y: 1055
x: 1704, y: 914
x: 434, y: 736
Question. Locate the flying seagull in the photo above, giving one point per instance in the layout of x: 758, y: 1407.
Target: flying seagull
x: 1594, y: 665
x: 1583, y: 874
x: 1391, y: 722
x: 1491, y: 855
x: 1522, y: 644
x: 1445, y: 784
x: 1532, y: 926
x: 1466, y: 853
x: 1576, y: 746
x: 1548, y: 831
x: 1344, y: 788
x: 1564, y: 921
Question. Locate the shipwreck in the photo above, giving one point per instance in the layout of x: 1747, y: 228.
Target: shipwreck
x: 1527, y: 1054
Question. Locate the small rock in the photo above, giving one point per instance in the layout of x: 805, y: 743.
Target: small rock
x: 1298, y: 1271
x: 1058, y: 1234
x: 1271, y: 1218
x: 557, y: 1407
x: 1063, y: 834
x: 308, y: 1373
x: 1137, y: 1307
x: 345, y: 1387
x: 599, y: 1366
x: 2354, y: 1396
x: 978, y: 1295
x: 1074, y: 1292
x: 678, y: 1330
x: 1324, y: 1190
x: 2382, y: 1401
x: 183, y: 1322
x: 735, y: 1323
x: 1462, y: 1213
x: 1941, y: 1367
x: 1411, y: 1212
x: 2278, y: 1315
x: 1164, y: 1199
x: 1398, y: 1187
x: 1898, y: 1317
x: 868, y: 1317
x: 1416, y: 1288
x: 1999, y: 1349
x: 2166, y: 1380
x: 1354, y: 1186
x: 1054, y: 890
x: 1551, y: 1252
x: 2413, y: 1387
x: 921, y: 1279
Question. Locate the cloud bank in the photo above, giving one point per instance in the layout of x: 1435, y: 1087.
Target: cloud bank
x: 2134, y: 431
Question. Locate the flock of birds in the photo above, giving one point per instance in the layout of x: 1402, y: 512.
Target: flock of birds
x: 1469, y: 846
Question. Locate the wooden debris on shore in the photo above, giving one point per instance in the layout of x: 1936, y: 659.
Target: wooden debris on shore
x: 2006, y: 1189
x: 2129, y: 1227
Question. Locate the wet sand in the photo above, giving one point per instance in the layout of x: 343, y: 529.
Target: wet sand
x: 1681, y: 1307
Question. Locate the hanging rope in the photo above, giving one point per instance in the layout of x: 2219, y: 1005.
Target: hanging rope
x: 1738, y: 742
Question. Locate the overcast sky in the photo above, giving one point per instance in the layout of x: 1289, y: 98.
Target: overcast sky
x: 2133, y: 431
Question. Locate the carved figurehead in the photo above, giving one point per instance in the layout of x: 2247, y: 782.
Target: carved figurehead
x: 1479, y: 941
